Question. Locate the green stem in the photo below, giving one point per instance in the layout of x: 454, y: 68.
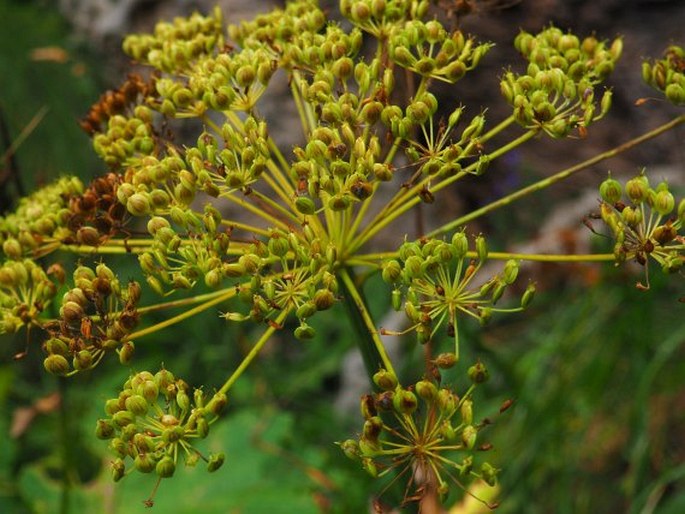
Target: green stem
x: 404, y: 202
x: 273, y: 326
x: 184, y: 315
x: 496, y: 129
x: 537, y: 257
x: 541, y: 184
x: 370, y: 344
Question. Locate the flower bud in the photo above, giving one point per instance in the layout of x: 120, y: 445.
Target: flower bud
x: 391, y: 271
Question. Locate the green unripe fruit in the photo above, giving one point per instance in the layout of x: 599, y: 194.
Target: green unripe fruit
x: 372, y: 429
x: 12, y: 248
x: 104, y: 429
x: 610, y: 190
x: 216, y: 460
x: 404, y: 402
x: 489, y: 474
x: 123, y: 418
x: 637, y: 189
x: 528, y: 295
x: 126, y: 352
x: 468, y: 436
x: 144, y: 462
x: 305, y: 205
x: 83, y: 360
x: 675, y: 93
x: 217, y: 403
x: 304, y: 332
x: 664, y: 202
x: 478, y: 373
x: 55, y: 345
x: 445, y: 360
x: 323, y: 299
x: 447, y: 402
x: 511, y: 270
x: 118, y: 469
x: 350, y: 448
x: 426, y: 390
x: 138, y: 204
x: 391, y: 271
x: 56, y: 364
x: 166, y: 467
x: 385, y: 380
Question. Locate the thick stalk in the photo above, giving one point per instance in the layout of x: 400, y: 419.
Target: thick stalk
x: 372, y: 348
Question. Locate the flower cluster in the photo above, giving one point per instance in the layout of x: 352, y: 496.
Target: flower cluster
x: 436, y: 281
x: 430, y: 51
x: 155, y: 420
x: 668, y: 74
x: 557, y: 92
x: 644, y: 223
x: 25, y: 291
x: 95, y: 317
x: 174, y: 45
x: 301, y: 279
x: 43, y: 214
x: 426, y: 431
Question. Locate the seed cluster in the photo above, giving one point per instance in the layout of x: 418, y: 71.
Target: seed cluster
x: 645, y: 223
x: 155, y: 420
x: 557, y: 92
x: 95, y: 317
x: 668, y: 74
x: 434, y: 280
x: 425, y: 430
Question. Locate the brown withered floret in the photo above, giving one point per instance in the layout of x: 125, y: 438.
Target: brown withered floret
x: 116, y: 101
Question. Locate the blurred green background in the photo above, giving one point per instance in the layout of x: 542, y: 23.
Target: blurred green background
x: 595, y: 368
